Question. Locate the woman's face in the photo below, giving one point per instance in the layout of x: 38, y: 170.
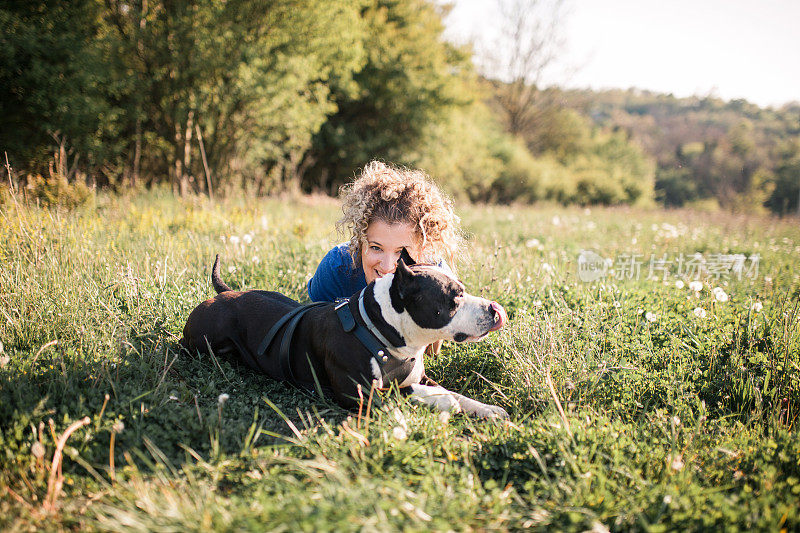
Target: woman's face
x: 385, y: 243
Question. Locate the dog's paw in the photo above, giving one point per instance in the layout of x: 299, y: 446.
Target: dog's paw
x: 445, y: 402
x: 491, y: 411
x: 436, y: 397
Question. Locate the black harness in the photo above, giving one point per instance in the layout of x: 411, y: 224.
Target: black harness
x: 368, y: 338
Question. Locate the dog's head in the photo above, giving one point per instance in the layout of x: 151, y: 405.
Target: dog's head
x: 426, y: 304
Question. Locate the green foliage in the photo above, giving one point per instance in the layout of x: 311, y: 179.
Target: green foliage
x: 53, y: 78
x: 410, y: 82
x: 785, y: 197
x: 253, y: 77
x: 55, y: 190
x: 675, y: 187
x: 704, y: 148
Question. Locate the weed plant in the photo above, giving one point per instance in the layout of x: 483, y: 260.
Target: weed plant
x: 636, y: 404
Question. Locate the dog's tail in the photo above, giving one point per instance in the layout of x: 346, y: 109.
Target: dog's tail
x: 216, y: 280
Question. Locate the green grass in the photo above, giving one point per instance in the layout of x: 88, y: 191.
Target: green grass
x: 674, y: 423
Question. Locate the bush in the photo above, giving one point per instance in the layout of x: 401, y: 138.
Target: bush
x: 57, y: 191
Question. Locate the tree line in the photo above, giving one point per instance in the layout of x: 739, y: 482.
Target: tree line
x: 735, y: 154
x: 210, y: 95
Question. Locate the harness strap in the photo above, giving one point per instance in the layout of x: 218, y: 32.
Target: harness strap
x: 378, y: 351
x: 294, y: 315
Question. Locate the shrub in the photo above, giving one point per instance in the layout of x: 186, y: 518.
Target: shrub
x: 55, y: 190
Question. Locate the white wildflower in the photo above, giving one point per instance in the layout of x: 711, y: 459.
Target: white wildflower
x: 399, y: 433
x: 256, y: 260
x: 598, y: 527
x: 534, y: 243
x: 400, y: 417
x: 677, y: 463
x: 231, y: 269
x: 247, y: 238
x: 720, y: 295
x: 556, y: 221
x: 234, y: 239
x: 756, y: 306
x: 222, y: 398
x: 536, y: 303
x: 667, y: 499
x: 118, y: 427
x: 173, y: 397
x: 696, y: 286
x: 699, y: 312
x: 639, y: 311
x: 547, y: 267
x: 650, y: 316
x: 679, y: 284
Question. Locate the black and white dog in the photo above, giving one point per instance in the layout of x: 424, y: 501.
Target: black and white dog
x: 376, y: 338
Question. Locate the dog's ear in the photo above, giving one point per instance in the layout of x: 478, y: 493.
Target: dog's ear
x: 402, y: 285
x: 402, y: 272
x: 406, y: 257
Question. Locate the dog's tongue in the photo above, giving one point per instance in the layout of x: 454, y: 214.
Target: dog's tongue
x: 500, y: 315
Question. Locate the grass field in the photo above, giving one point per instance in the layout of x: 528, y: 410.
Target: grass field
x: 635, y: 404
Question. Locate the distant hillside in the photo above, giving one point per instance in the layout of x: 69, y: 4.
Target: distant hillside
x: 735, y: 153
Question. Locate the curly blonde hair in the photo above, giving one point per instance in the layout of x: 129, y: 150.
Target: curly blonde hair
x: 400, y: 195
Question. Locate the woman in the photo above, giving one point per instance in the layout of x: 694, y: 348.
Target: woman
x: 386, y: 209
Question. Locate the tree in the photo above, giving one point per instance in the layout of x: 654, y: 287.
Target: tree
x: 53, y: 83
x: 524, y: 49
x: 251, y: 77
x: 785, y: 197
x: 411, y: 78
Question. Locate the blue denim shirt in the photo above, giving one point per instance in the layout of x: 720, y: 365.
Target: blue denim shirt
x: 336, y: 276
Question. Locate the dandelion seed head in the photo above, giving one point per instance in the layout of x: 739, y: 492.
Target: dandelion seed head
x: 699, y: 312
x: 222, y: 398
x: 720, y: 295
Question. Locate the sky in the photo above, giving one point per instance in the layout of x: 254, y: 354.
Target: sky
x: 726, y: 48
